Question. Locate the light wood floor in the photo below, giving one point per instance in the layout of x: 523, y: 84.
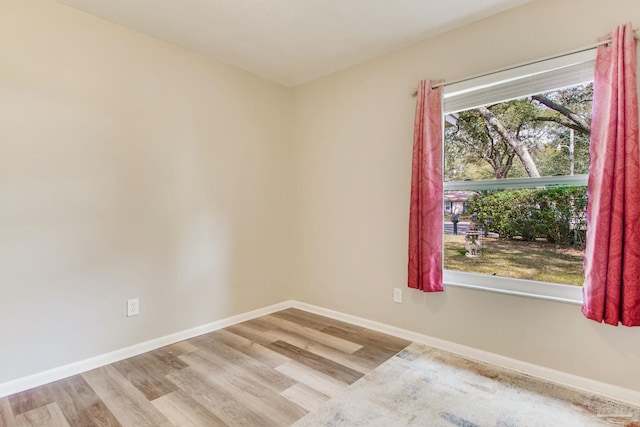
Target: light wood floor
x: 269, y: 371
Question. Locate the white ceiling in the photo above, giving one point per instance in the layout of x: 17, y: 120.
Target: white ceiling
x: 293, y: 41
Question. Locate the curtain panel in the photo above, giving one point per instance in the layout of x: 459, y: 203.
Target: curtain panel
x: 426, y: 209
x: 611, y: 289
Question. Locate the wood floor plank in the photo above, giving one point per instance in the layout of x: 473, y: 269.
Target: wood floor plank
x: 316, y: 380
x: 254, y: 394
x: 147, y: 372
x: 343, y: 330
x: 48, y: 415
x: 305, y: 396
x: 248, y: 331
x: 330, y: 340
x: 350, y: 360
x: 310, y: 320
x: 179, y: 348
x: 125, y: 401
x: 319, y: 363
x: 227, y: 358
x: 216, y: 399
x: 30, y: 399
x: 251, y: 349
x: 184, y: 411
x: 97, y: 415
x: 6, y: 414
x: 376, y: 355
x: 75, y: 398
x: 303, y: 319
x: 80, y: 404
x: 257, y: 324
x: 368, y: 338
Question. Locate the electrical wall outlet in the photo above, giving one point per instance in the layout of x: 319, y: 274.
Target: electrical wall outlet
x: 397, y: 295
x: 133, y: 307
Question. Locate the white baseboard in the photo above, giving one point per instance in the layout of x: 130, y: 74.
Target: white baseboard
x: 621, y: 394
x: 41, y: 378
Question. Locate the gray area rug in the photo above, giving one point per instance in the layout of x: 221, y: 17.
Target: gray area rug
x: 423, y: 386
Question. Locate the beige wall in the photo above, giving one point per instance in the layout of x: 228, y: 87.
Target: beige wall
x: 129, y: 168
x: 353, y: 134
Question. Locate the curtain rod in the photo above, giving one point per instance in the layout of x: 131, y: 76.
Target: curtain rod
x: 523, y: 64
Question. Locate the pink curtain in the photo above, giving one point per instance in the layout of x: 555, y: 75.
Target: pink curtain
x: 612, y: 259
x: 425, y: 216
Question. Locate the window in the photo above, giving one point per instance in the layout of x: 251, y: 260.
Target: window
x: 516, y: 162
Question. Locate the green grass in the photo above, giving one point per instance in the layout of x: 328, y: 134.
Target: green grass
x: 541, y: 261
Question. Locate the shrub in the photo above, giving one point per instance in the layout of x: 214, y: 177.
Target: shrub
x: 556, y: 214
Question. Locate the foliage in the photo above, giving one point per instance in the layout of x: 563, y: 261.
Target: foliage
x: 555, y: 214
x: 475, y: 150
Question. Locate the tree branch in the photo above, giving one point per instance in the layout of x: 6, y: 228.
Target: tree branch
x: 563, y: 122
x: 581, y: 125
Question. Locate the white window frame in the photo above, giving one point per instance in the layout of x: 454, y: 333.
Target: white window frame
x: 517, y: 82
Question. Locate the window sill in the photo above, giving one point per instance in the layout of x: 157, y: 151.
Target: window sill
x: 524, y: 288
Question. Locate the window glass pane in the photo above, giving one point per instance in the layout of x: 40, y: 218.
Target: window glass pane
x: 534, y: 234
x: 541, y: 135
x: 515, y: 177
